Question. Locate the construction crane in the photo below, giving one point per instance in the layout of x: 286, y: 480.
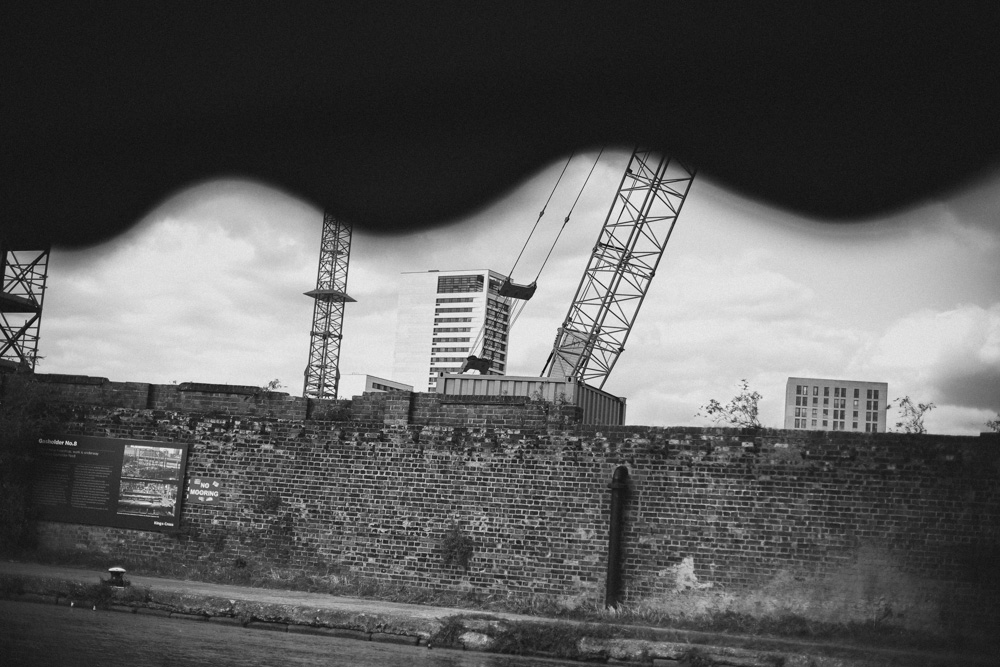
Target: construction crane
x: 322, y: 374
x: 22, y: 292
x: 622, y: 265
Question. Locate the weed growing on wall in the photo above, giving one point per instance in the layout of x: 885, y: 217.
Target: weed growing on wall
x: 271, y: 502
x: 741, y: 410
x: 457, y: 547
x: 994, y: 424
x: 911, y: 415
x: 261, y: 393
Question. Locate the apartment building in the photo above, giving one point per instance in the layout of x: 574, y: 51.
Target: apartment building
x: 836, y: 405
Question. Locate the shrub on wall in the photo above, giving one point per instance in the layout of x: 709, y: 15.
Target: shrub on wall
x: 271, y: 502
x: 456, y: 547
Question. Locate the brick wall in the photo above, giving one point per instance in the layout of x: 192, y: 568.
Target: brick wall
x: 835, y: 526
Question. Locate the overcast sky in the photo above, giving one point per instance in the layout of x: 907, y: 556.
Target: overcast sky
x: 208, y: 288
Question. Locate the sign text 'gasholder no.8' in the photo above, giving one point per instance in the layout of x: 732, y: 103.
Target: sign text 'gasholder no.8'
x: 110, y: 482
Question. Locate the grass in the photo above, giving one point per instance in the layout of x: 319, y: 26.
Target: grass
x: 11, y: 586
x: 246, y: 571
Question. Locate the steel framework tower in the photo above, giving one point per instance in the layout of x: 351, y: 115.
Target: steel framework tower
x: 322, y: 373
x: 623, y: 263
x: 22, y: 291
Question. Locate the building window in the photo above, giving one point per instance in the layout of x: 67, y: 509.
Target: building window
x: 854, y: 425
x: 815, y: 390
x: 824, y: 422
x: 826, y: 401
x: 815, y: 401
x: 814, y: 412
x: 473, y: 283
x: 855, y: 414
x: 814, y: 422
x: 875, y: 394
x: 826, y: 391
x: 439, y: 320
x: 825, y: 413
x: 869, y: 393
x: 874, y: 405
x: 855, y: 402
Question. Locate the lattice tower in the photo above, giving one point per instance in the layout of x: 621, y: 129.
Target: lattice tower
x: 22, y: 293
x: 322, y: 375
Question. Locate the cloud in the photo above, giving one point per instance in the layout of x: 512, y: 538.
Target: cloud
x: 190, y: 294
x: 950, y: 357
x: 209, y: 288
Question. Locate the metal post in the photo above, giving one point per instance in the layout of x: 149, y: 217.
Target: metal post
x: 619, y: 487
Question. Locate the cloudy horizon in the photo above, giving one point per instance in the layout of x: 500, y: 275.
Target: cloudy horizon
x: 208, y: 287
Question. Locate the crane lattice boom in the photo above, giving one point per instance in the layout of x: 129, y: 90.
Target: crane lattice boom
x: 623, y: 263
x: 22, y: 293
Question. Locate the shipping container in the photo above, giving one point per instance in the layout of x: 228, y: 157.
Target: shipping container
x: 599, y: 407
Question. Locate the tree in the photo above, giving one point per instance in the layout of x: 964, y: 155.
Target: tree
x: 994, y: 424
x: 911, y: 418
x: 741, y: 411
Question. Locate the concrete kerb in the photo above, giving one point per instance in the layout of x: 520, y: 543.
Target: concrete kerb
x: 369, y: 620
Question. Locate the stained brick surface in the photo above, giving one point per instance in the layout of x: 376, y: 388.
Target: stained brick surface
x: 902, y: 528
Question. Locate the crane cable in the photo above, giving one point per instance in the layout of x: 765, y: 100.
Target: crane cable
x: 540, y: 214
x: 480, y: 336
x: 514, y: 316
x: 566, y: 219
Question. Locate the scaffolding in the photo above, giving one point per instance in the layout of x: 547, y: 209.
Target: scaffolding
x: 22, y: 292
x: 622, y: 265
x: 322, y: 375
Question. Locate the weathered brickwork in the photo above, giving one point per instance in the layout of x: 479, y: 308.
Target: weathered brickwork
x: 833, y: 526
x: 192, y: 397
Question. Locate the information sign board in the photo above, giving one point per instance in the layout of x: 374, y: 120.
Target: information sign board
x: 110, y: 481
